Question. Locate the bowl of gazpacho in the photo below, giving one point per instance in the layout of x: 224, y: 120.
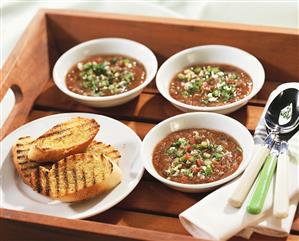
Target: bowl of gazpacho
x: 105, y: 72
x: 198, y: 151
x: 215, y: 78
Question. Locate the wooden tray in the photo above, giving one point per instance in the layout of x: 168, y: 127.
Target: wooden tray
x: 150, y: 211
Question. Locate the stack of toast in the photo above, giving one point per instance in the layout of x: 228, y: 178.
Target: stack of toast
x: 66, y: 163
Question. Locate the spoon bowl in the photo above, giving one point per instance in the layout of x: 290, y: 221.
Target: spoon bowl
x: 282, y: 115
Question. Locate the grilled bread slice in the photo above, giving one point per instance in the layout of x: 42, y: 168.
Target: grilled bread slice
x: 76, y: 177
x: 23, y: 165
x: 98, y: 148
x: 64, y: 139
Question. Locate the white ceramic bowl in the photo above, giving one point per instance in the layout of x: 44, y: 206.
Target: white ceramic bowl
x: 196, y: 120
x: 104, y: 46
x: 210, y: 54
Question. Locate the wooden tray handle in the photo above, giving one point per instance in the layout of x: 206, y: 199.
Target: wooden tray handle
x: 26, y: 83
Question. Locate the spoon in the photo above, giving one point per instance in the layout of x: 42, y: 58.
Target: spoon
x: 282, y: 117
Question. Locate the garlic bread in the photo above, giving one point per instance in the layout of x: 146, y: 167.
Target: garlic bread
x: 76, y: 177
x: 23, y: 165
x: 98, y: 148
x: 62, y: 140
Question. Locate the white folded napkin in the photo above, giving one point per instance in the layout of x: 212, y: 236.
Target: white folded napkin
x: 213, y: 218
x: 272, y: 226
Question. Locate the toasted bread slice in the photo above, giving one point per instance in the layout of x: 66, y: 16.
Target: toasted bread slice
x: 98, y: 148
x: 23, y: 165
x: 64, y: 139
x: 76, y: 177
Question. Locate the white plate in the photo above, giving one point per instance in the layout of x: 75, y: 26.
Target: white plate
x: 16, y: 195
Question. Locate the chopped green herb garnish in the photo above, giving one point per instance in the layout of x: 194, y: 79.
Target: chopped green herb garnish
x: 211, y: 83
x: 107, y: 76
x: 187, y: 156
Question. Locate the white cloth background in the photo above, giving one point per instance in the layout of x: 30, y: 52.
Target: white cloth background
x: 15, y: 15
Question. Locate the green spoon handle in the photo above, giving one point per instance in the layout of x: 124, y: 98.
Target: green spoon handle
x: 257, y: 201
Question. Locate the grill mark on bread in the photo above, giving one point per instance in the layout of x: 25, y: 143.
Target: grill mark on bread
x: 109, y: 151
x: 24, y: 137
x: 111, y: 167
x: 21, y: 156
x: 23, y: 150
x: 23, y: 161
x: 57, y: 132
x: 24, y: 169
x: 56, y: 177
x: 81, y: 156
x: 47, y: 183
x: 84, y: 179
x: 91, y: 129
x: 52, y: 133
x: 94, y: 176
x: 19, y: 145
x: 38, y: 184
x: 23, y: 145
x: 61, y: 137
x: 60, y: 177
x: 66, y: 182
x: 75, y: 178
x: 32, y: 165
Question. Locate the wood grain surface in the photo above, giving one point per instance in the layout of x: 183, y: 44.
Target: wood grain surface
x: 151, y: 211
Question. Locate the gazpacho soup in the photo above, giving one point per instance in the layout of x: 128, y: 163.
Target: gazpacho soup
x: 105, y: 75
x: 210, y: 85
x: 196, y: 156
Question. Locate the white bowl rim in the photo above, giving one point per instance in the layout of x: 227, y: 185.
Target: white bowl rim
x: 65, y: 90
x: 212, y: 108
x: 155, y: 174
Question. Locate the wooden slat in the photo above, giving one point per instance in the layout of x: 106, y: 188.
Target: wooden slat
x: 89, y: 227
x: 141, y: 220
x: 155, y: 197
x: 13, y: 231
x: 146, y: 107
x: 60, y: 229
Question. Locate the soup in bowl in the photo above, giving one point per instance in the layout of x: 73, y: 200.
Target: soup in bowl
x: 198, y: 151
x: 105, y: 72
x: 213, y: 78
